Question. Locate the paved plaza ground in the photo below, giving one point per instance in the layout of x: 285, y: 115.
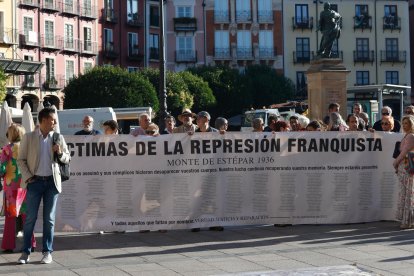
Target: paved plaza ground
x: 378, y: 248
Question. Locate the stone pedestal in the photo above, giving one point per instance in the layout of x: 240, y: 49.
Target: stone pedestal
x: 326, y: 84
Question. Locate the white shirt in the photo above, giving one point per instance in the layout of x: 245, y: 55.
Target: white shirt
x: 45, y: 158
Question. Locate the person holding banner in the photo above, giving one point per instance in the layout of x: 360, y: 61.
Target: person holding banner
x: 406, y: 180
x: 186, y: 118
x: 14, y: 196
x: 144, y: 120
x: 41, y: 175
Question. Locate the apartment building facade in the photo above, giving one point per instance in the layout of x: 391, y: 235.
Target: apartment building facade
x: 244, y: 32
x: 185, y: 36
x: 373, y: 43
x: 61, y: 38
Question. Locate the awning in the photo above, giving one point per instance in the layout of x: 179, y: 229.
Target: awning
x: 20, y: 67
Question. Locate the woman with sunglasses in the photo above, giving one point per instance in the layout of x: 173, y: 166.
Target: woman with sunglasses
x: 386, y: 113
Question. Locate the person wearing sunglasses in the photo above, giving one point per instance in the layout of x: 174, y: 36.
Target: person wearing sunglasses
x: 387, y: 124
x: 386, y: 113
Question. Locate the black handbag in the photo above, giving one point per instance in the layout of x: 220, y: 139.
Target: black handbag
x: 64, y: 168
x: 396, y: 150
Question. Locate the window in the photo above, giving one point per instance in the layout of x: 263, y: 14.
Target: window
x: 301, y: 15
x: 221, y: 44
x: 362, y: 49
x: 302, y: 49
x: 50, y: 69
x: 69, y: 43
x: 68, y: 6
x: 29, y: 79
x: 391, y: 48
x: 243, y: 10
x: 361, y: 16
x: 390, y: 16
x: 132, y: 44
x: 266, y: 44
x: 133, y: 69
x: 185, y: 48
x: 27, y: 25
x: 108, y: 40
x: 184, y: 12
x: 132, y: 10
x: 244, y: 44
x: 221, y: 11
x: 87, y: 39
x: 265, y: 11
x: 87, y: 7
x: 391, y: 77
x: 154, y: 16
x: 87, y: 66
x: 49, y: 33
x: 154, y: 43
x: 390, y: 10
x: 70, y: 70
x: 362, y: 77
x: 109, y: 4
x: 301, y: 85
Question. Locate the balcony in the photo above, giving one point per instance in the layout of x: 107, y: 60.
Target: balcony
x: 133, y: 53
x: 50, y: 6
x: 110, y: 51
x: 50, y: 42
x: 391, y: 22
x: 243, y: 16
x: 8, y: 37
x: 363, y: 22
x: 303, y: 23
x: 266, y: 53
x: 29, y: 4
x: 364, y: 56
x: 244, y: 53
x: 135, y: 20
x: 302, y: 57
x: 109, y: 15
x: 222, y: 53
x: 185, y: 24
x: 88, y: 48
x: 89, y: 12
x: 394, y: 56
x: 70, y: 45
x: 265, y: 16
x: 53, y: 82
x: 186, y: 56
x: 154, y: 53
x: 30, y: 81
x: 29, y: 40
x: 70, y: 8
x: 221, y: 16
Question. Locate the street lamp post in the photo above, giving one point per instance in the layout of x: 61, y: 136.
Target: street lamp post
x: 162, y: 93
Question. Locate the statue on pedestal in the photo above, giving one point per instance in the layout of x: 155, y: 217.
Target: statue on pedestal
x: 329, y: 25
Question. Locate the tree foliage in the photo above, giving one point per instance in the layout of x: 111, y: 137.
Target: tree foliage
x: 3, y: 91
x: 178, y: 95
x: 202, y: 93
x: 110, y: 86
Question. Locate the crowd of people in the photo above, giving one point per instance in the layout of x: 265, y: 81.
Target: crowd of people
x: 30, y: 171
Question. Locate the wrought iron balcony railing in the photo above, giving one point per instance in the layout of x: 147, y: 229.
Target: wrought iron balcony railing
x: 364, y: 56
x: 302, y: 23
x: 394, y: 56
x: 222, y: 53
x: 267, y: 53
x: 302, y: 56
x: 186, y: 56
x: 363, y: 22
x: 391, y: 22
x: 185, y: 24
x: 244, y: 53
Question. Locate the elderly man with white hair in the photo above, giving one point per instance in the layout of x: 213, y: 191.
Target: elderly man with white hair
x: 386, y: 113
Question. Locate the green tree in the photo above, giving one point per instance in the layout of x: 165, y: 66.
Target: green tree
x: 178, y: 94
x: 264, y: 86
x: 3, y: 79
x: 203, y: 95
x: 224, y: 82
x: 110, y: 86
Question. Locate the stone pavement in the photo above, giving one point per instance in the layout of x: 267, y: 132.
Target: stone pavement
x: 378, y: 248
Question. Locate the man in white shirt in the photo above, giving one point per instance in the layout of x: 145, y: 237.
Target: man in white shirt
x: 41, y: 173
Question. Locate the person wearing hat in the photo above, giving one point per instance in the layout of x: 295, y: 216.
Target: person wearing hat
x: 203, y: 122
x: 186, y: 118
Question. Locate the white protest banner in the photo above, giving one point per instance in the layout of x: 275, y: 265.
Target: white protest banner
x: 186, y: 181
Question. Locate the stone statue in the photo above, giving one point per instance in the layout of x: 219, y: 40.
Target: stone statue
x: 329, y: 25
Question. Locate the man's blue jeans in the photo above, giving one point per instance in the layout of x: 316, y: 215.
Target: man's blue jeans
x: 37, y: 190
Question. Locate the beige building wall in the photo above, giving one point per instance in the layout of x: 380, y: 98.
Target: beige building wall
x: 376, y: 36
